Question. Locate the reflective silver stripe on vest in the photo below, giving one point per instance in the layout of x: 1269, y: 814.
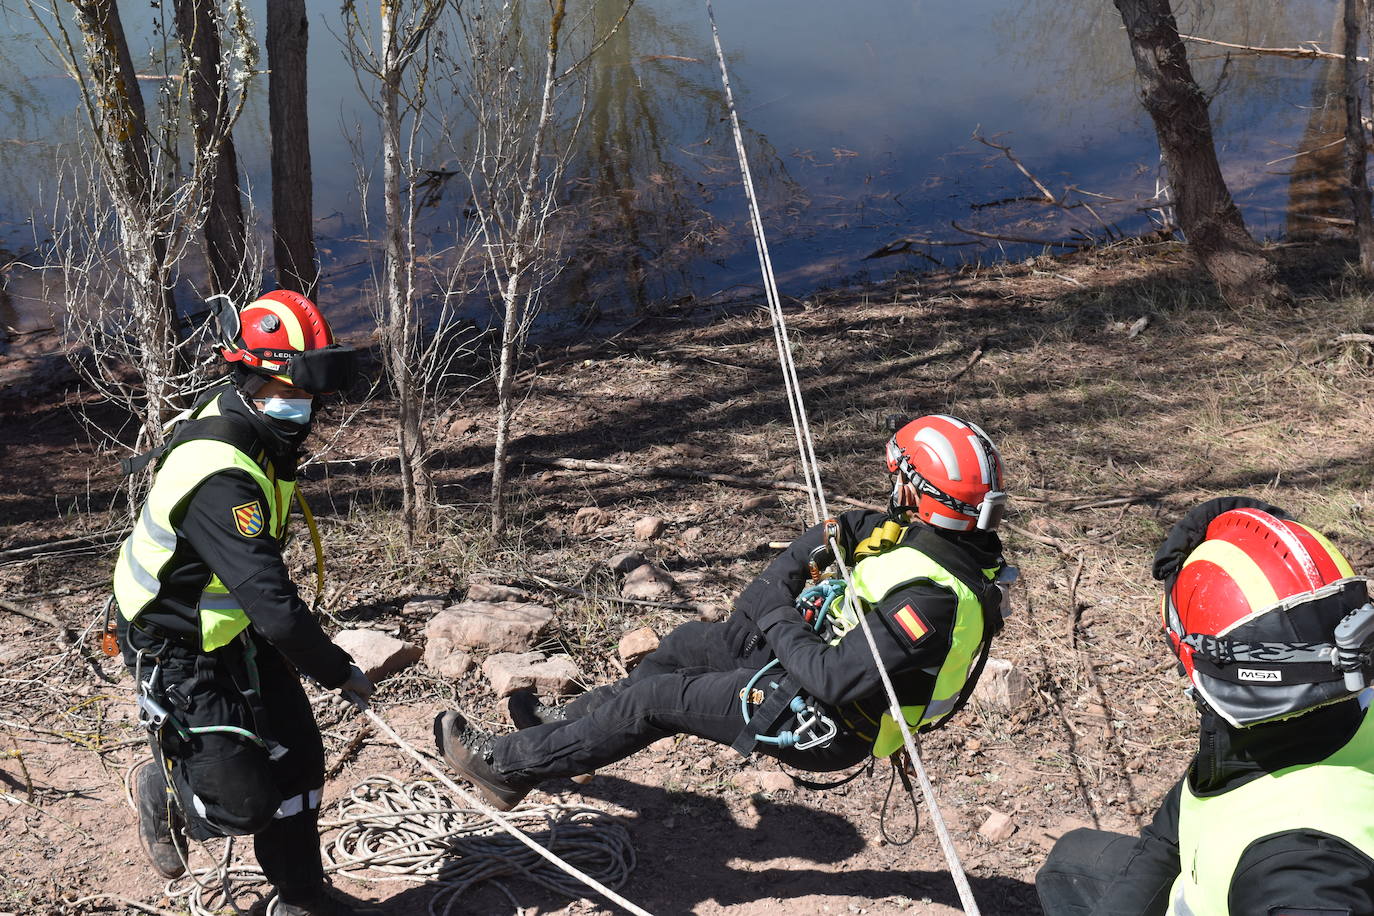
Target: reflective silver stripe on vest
x: 218, y: 601
x: 145, y: 580
x: 162, y: 537
x: 939, y: 708
x: 298, y: 803
x: 1180, y: 905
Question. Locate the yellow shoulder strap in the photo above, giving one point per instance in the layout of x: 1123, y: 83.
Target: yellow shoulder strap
x: 883, y: 538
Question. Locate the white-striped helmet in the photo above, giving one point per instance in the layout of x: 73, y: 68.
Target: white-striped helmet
x: 955, y: 469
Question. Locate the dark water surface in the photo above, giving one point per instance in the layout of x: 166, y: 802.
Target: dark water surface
x: 858, y: 116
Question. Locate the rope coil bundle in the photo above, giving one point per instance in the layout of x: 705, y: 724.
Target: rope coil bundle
x: 390, y: 830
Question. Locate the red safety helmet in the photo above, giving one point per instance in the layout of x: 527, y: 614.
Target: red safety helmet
x: 284, y: 336
x: 954, y: 468
x: 1267, y: 619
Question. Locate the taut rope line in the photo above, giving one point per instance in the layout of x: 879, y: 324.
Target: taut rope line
x: 811, y: 469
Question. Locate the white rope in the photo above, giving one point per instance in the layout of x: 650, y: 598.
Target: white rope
x: 800, y: 425
x: 811, y: 469
x: 505, y: 824
x: 394, y: 831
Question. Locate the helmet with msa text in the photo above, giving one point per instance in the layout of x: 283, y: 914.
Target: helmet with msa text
x: 1267, y: 618
x: 283, y: 335
x: 953, y: 471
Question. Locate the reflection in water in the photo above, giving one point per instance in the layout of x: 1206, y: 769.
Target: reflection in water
x: 1317, y: 186
x: 859, y: 119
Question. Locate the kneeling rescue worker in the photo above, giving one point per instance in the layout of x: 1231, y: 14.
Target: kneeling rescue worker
x: 790, y: 673
x: 211, y: 624
x: 1275, y: 816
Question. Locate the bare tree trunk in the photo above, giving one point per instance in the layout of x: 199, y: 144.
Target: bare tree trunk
x: 293, y: 226
x: 198, y: 33
x: 1317, y: 182
x: 513, y: 293
x: 120, y: 122
x: 1207, y: 214
x: 402, y: 324
x: 1356, y: 149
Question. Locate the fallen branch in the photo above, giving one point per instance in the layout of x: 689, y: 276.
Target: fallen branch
x: 37, y: 616
x: 977, y: 355
x: 578, y: 464
x: 694, y: 606
x: 1022, y: 240
x: 904, y: 246
x: 364, y: 732
x: 1312, y: 53
x: 77, y: 544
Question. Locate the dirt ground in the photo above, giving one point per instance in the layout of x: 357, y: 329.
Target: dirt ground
x: 1120, y: 391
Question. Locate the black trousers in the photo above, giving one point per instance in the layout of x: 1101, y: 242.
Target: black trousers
x: 689, y: 685
x: 1079, y: 868
x: 227, y: 784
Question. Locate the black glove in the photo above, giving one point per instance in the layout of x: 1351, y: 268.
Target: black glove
x: 1191, y: 530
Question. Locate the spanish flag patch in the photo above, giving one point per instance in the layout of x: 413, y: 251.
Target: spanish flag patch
x: 248, y: 519
x: 911, y: 622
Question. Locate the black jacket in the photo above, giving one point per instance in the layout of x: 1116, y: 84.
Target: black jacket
x: 1300, y: 872
x: 209, y: 542
x: 843, y: 676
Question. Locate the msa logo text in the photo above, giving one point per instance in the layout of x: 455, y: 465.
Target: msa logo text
x: 1258, y: 674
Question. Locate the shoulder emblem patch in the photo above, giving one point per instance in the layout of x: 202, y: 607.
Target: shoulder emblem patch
x: 911, y: 623
x: 248, y: 519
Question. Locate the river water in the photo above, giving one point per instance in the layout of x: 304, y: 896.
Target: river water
x: 859, y: 120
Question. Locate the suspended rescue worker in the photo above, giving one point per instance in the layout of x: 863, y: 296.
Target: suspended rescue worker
x: 211, y: 624
x: 790, y: 673
x: 1275, y: 815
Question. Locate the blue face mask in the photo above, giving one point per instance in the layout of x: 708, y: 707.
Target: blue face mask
x: 292, y: 410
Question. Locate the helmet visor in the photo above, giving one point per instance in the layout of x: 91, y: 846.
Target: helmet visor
x: 324, y: 371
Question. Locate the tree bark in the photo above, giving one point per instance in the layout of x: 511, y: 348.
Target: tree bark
x: 293, y: 229
x: 198, y: 31
x: 120, y: 124
x: 417, y: 485
x: 1356, y: 148
x: 515, y: 292
x: 1206, y: 212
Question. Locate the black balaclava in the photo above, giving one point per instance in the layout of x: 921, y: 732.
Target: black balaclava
x: 282, y: 438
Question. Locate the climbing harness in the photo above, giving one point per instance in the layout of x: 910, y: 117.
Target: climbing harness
x: 811, y: 471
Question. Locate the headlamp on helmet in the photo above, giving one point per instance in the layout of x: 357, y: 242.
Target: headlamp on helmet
x: 1268, y: 619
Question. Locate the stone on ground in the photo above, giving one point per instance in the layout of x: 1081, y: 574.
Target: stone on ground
x: 648, y: 583
x: 589, y: 519
x: 1002, y: 686
x: 509, y: 672
x: 495, y: 591
x: 766, y: 501
x: 623, y: 563
x: 997, y: 828
x: 503, y: 626
x: 378, y: 654
x: 649, y: 527
x: 636, y: 644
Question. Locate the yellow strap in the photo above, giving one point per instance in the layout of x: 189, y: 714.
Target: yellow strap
x: 882, y: 539
x: 319, y: 548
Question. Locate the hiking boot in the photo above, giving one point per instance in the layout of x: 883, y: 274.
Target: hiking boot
x: 526, y: 710
x: 161, y: 828
x: 468, y: 750
x: 327, y: 901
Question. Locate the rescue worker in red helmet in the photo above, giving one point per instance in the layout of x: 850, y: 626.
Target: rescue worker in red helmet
x: 790, y: 673
x: 1275, y: 815
x: 211, y: 624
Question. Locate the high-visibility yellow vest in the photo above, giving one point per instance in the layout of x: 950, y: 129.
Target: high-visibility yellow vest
x: 146, y: 552
x: 876, y: 576
x: 1334, y: 796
